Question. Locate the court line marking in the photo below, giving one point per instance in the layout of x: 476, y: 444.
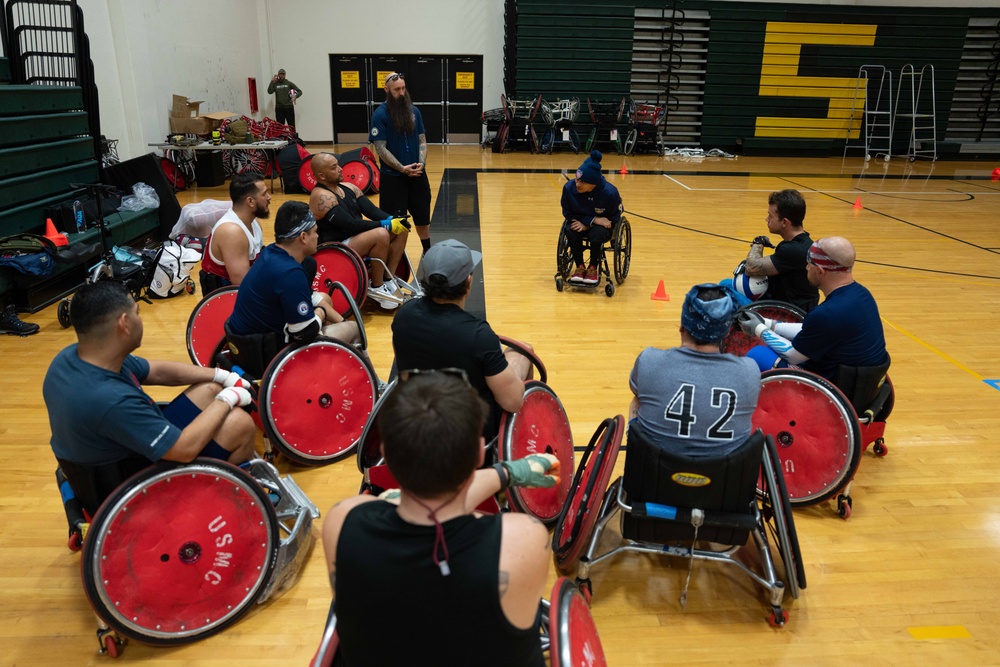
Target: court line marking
x: 677, y: 182
x: 924, y: 633
x: 993, y: 383
x: 950, y: 193
x: 936, y: 351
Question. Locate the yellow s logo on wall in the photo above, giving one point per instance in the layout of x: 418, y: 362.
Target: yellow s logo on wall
x: 779, y: 76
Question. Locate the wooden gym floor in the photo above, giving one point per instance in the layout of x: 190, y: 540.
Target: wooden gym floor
x: 912, y: 578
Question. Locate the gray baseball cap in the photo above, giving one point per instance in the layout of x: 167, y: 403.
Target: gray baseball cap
x: 451, y: 259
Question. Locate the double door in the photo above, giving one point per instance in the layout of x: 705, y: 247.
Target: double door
x: 446, y: 89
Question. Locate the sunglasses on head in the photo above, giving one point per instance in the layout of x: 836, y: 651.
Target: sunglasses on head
x: 392, y: 77
x: 453, y: 372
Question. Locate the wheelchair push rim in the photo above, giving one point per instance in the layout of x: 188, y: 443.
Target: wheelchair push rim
x: 739, y: 343
x: 169, y: 580
x: 206, y: 327
x: 370, y: 445
x: 572, y: 632
x: 316, y: 399
x: 336, y: 262
x: 816, y: 432
x: 779, y: 519
x: 580, y: 513
x: 539, y: 427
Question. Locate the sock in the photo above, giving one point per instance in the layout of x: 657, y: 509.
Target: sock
x: 426, y: 243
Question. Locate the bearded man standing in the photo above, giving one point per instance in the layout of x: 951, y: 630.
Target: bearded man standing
x: 398, y: 134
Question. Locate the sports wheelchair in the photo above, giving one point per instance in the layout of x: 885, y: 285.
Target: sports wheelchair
x: 541, y: 426
x: 644, y: 134
x: 566, y: 631
x: 518, y: 125
x: 605, y: 115
x: 560, y: 115
x: 821, y: 427
x: 336, y: 262
x: 620, y: 248
x: 314, y: 399
x: 668, y: 503
x: 231, y: 538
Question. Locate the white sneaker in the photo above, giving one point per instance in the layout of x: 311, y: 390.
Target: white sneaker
x: 380, y: 293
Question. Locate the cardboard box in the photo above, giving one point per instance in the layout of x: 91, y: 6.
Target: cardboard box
x: 185, y: 119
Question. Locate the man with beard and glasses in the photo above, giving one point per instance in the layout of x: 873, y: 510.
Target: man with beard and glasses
x: 237, y: 238
x: 398, y: 135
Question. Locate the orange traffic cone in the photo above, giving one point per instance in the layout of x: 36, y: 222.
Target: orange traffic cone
x: 857, y: 204
x: 623, y: 170
x: 53, y: 235
x: 660, y: 294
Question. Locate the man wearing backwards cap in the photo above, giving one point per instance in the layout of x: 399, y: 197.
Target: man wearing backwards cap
x: 285, y: 93
x: 276, y: 298
x: 436, y: 332
x: 590, y: 205
x: 693, y: 399
x: 844, y: 330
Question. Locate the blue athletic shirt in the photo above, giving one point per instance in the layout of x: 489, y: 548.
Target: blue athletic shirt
x: 844, y: 330
x: 404, y: 147
x: 99, y: 417
x: 275, y: 292
x: 601, y: 202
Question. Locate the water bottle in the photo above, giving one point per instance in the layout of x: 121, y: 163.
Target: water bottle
x: 81, y: 226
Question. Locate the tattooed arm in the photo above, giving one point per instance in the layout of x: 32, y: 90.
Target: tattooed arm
x: 423, y: 149
x: 388, y: 158
x: 757, y: 264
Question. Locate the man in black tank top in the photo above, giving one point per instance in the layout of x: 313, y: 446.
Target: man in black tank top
x: 341, y: 210
x: 461, y: 588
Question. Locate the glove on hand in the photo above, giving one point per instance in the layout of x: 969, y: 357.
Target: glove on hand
x: 533, y: 471
x: 229, y: 379
x: 395, y: 225
x: 233, y: 396
x: 751, y: 323
x: 762, y: 240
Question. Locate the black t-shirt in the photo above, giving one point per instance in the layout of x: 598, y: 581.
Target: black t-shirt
x: 426, y: 334
x: 791, y: 284
x: 394, y: 607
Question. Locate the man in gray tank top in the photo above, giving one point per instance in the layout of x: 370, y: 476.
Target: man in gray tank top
x: 693, y: 399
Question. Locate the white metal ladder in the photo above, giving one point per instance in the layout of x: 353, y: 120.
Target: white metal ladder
x: 875, y: 85
x: 923, y: 120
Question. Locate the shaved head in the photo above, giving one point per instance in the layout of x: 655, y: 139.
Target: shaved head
x: 326, y: 168
x: 839, y: 249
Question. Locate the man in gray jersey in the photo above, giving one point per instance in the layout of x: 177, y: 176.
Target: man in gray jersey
x: 692, y: 399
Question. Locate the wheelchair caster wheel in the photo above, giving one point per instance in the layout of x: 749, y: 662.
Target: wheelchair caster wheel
x: 62, y: 314
x: 880, y: 448
x: 189, y: 286
x: 586, y: 588
x: 609, y: 289
x: 110, y: 642
x: 559, y: 284
x: 75, y: 542
x: 777, y: 618
x: 844, y: 506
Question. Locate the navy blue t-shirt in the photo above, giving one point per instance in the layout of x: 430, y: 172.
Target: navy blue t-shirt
x: 601, y: 202
x: 844, y: 330
x: 275, y: 292
x: 404, y: 147
x: 99, y: 417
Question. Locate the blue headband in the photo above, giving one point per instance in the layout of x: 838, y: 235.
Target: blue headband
x: 707, y: 321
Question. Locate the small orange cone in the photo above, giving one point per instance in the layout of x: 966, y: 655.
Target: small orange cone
x: 623, y: 170
x: 660, y: 294
x: 53, y: 235
x: 857, y: 204
x: 996, y: 174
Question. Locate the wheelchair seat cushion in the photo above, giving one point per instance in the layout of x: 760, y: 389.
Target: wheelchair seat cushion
x: 656, y: 475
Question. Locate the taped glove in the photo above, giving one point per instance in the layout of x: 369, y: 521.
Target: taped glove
x: 751, y: 323
x: 233, y: 396
x: 229, y: 379
x: 762, y: 240
x: 533, y: 471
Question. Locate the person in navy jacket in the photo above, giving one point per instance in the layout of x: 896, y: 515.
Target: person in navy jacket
x: 590, y: 206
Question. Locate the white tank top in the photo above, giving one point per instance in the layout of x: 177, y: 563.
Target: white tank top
x: 255, y: 238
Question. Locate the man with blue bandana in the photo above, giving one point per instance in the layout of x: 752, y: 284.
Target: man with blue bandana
x: 693, y: 399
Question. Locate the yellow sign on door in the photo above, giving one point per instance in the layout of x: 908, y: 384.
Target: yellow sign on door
x: 380, y: 77
x: 350, y: 79
x: 465, y: 80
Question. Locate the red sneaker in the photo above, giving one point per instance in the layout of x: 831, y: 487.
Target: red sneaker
x: 579, y: 276
x: 592, y: 277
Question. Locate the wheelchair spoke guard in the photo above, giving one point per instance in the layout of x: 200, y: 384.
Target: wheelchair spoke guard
x: 580, y: 513
x: 206, y: 332
x: 738, y: 343
x: 573, y: 635
x: 336, y: 262
x: 816, y: 432
x: 540, y: 427
x: 180, y: 552
x: 370, y: 446
x: 316, y: 399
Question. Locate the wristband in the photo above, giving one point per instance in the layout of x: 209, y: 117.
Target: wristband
x: 221, y: 375
x: 504, y: 475
x: 316, y: 299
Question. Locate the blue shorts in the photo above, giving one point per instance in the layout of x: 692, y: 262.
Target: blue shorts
x: 181, y: 412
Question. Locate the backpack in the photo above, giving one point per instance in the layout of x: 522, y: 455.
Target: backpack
x: 173, y: 271
x: 29, y: 254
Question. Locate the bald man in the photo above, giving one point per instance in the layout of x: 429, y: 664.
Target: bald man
x: 844, y: 330
x: 341, y: 208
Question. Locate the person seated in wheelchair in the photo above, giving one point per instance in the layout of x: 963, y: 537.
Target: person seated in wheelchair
x: 590, y: 206
x: 844, y: 330
x: 341, y: 208
x: 236, y: 238
x: 463, y: 588
x: 437, y: 332
x: 104, y: 426
x: 693, y: 399
x: 276, y: 304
